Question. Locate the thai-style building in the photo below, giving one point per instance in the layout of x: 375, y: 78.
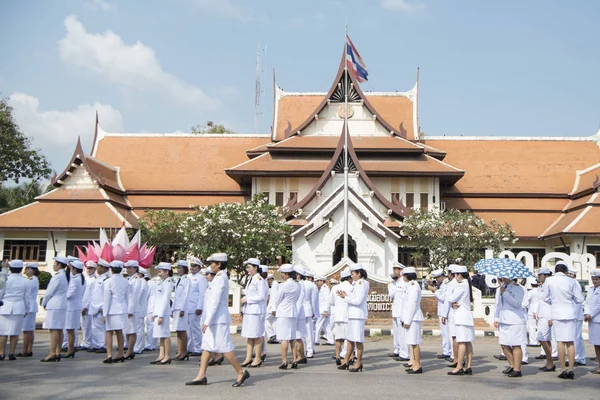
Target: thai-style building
x: 546, y: 188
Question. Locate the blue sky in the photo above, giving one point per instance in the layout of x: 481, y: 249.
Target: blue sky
x: 510, y: 68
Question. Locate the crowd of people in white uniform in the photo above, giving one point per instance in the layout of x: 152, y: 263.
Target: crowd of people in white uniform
x: 117, y: 299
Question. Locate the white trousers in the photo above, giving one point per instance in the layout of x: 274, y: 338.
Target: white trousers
x: 308, y: 340
x: 329, y: 330
x: 322, y: 325
x: 532, y: 331
x: 140, y: 339
x: 579, y: 344
x: 86, y: 329
x: 403, y: 351
x: 270, y: 326
x: 151, y: 341
x: 194, y: 333
x: 446, y: 339
x: 98, y: 332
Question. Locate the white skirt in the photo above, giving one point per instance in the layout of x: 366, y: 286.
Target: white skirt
x: 451, y: 324
x: 29, y: 322
x: 355, y: 331
x: 11, y: 325
x: 512, y: 335
x: 465, y: 333
x: 253, y: 326
x: 116, y: 322
x: 161, y: 331
x: 129, y: 325
x: 217, y: 339
x: 564, y: 330
x: 73, y: 320
x: 55, y: 319
x: 544, y: 332
x: 594, y: 333
x: 180, y: 324
x: 339, y: 330
x: 301, y: 328
x: 412, y: 335
x: 285, y: 328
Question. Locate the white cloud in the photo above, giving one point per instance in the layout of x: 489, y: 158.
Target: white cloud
x: 55, y: 132
x: 231, y: 9
x: 100, y: 5
x: 129, y: 66
x: 406, y: 6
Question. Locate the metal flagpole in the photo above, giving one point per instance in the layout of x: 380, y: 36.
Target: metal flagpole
x: 346, y: 88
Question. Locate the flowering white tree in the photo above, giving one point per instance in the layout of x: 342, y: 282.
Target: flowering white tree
x: 254, y: 229
x: 442, y: 237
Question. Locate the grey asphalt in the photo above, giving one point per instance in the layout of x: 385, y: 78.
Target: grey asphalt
x: 85, y: 377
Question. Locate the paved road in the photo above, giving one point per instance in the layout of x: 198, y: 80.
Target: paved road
x: 86, y: 377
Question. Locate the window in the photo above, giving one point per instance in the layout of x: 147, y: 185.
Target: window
x: 595, y: 251
x: 410, y: 200
x: 279, y: 199
x: 424, y: 201
x: 537, y: 254
x: 26, y: 250
x: 71, y: 250
x: 405, y: 256
x: 266, y: 194
x: 293, y: 197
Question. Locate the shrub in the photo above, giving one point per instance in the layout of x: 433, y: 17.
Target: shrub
x: 44, y: 278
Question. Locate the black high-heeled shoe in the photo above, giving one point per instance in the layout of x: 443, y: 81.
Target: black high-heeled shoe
x: 130, y: 357
x: 116, y: 360
x: 12, y: 357
x: 263, y: 357
x: 241, y: 381
x: 338, y: 361
x: 202, y: 381
x: 545, y: 369
x: 70, y: 355
x: 344, y: 366
x: 30, y: 354
x: 109, y: 360
x: 415, y: 371
x: 255, y: 365
x: 2, y: 357
x: 186, y: 357
x: 459, y: 372
x: 294, y: 365
x: 468, y: 371
x: 51, y: 359
x: 164, y: 362
x: 452, y: 365
x: 154, y: 362
x: 508, y: 370
x: 356, y: 369
x: 303, y: 361
x: 245, y: 364
x: 283, y: 366
x: 407, y: 365
x: 216, y: 362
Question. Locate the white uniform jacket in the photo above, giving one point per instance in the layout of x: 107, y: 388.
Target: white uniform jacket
x: 162, y: 299
x: 440, y: 295
x: 136, y: 302
x: 116, y: 292
x: 411, y: 306
x: 592, y: 304
x: 340, y: 306
x: 96, y: 299
x: 530, y: 301
x: 15, y: 295
x: 34, y: 287
x: 357, y: 300
x: 300, y: 303
x: 152, y: 288
x: 314, y: 300
x: 324, y: 294
x: 287, y: 299
x: 217, y: 300
x: 509, y: 305
x: 540, y: 308
x: 56, y: 293
x: 75, y: 293
x: 256, y: 296
x: 308, y: 293
x: 90, y: 282
x: 271, y: 305
x: 449, y: 289
x: 182, y: 291
x: 460, y: 296
x: 398, y: 297
x: 563, y: 293
x: 198, y: 284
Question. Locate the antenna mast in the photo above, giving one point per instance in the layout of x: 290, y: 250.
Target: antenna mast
x: 257, y: 90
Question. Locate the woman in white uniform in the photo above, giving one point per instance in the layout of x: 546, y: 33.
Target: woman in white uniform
x: 180, y: 318
x: 15, y: 298
x: 161, y: 313
x: 412, y: 318
x: 32, y: 271
x: 55, y: 304
x: 75, y: 293
x: 511, y: 321
x: 340, y: 313
x: 460, y: 301
x: 592, y: 315
x: 286, y: 311
x: 301, y: 320
x: 253, y: 310
x: 357, y: 316
x: 116, y: 290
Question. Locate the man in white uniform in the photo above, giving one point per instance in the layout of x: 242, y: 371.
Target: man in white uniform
x: 323, y: 320
x: 397, y: 295
x: 86, y: 320
x: 270, y: 317
x: 592, y: 315
x: 579, y: 343
x: 94, y: 307
x: 194, y: 305
x: 151, y: 341
x: 439, y: 292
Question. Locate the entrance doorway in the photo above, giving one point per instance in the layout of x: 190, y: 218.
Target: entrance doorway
x: 339, y: 250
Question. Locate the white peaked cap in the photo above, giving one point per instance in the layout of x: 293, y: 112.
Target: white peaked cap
x: 345, y: 272
x: 218, y: 257
x: 409, y: 270
x: 164, y: 265
x: 286, y: 268
x: 356, y: 267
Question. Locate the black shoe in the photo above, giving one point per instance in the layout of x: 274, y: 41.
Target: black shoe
x: 508, y: 370
x: 202, y: 381
x: 401, y: 359
x: 524, y: 363
x: 121, y: 359
x: 245, y: 364
x: 468, y: 371
x: 303, y: 361
x: 407, y: 365
x: 109, y: 360
x: 255, y: 365
x: 24, y: 354
x: 500, y: 357
x: 168, y: 362
x: 12, y: 357
x: 294, y: 365
x: 338, y: 361
x: 241, y: 381
x: 570, y: 375
x: 154, y: 362
x: 263, y: 357
x: 51, y: 359
x: 130, y: 357
x: 551, y: 369
x: 64, y: 349
x: 515, y: 374
x: 70, y: 355
x: 195, y: 354
x: 100, y: 351
x: 452, y: 365
x: 92, y: 350
x: 418, y: 371
x: 392, y: 355
x: 443, y: 357
x: 356, y: 369
x: 343, y: 366
x: 459, y: 372
x: 540, y: 357
x: 283, y: 366
x: 563, y: 375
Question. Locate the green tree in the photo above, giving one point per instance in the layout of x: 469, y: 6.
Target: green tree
x: 161, y: 228
x: 17, y: 159
x: 442, y: 237
x: 254, y: 229
x: 18, y: 196
x: 210, y: 127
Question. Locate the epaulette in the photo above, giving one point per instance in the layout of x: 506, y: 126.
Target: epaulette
x: 258, y: 278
